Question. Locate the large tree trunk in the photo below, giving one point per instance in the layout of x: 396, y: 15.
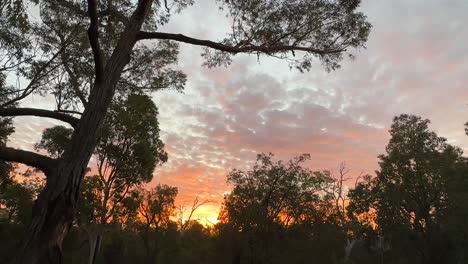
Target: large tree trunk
x: 95, y: 244
x: 56, y: 205
x: 95, y: 241
x: 53, y: 214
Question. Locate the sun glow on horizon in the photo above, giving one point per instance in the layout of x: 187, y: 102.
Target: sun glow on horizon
x: 207, y: 215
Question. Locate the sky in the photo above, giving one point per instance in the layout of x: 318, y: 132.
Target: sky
x: 416, y: 62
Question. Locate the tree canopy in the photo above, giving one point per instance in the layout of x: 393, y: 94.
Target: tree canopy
x: 410, y: 193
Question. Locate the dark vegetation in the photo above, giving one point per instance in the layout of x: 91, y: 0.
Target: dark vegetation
x: 99, y: 61
x: 411, y: 211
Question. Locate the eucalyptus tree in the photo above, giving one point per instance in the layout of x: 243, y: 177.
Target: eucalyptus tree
x: 274, y: 192
x: 156, y: 209
x: 127, y: 154
x: 16, y: 201
x: 411, y: 191
x: 82, y: 54
x: 54, y: 140
x: 272, y: 198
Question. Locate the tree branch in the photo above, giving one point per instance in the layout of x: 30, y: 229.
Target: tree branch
x: 73, y: 78
x: 41, y: 72
x: 69, y: 111
x: 73, y: 121
x: 232, y: 49
x: 39, y: 161
x: 110, y: 11
x: 93, y: 34
x: 196, y: 204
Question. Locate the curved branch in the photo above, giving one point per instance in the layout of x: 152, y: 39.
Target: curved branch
x: 233, y: 49
x: 29, y: 158
x: 73, y: 121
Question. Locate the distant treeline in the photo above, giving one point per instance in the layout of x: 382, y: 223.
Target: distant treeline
x: 412, y: 211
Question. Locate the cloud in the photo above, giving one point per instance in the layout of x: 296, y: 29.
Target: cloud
x: 415, y: 62
x: 254, y: 113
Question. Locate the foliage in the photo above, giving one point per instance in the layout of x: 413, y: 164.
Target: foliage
x: 276, y: 202
x: 6, y: 129
x: 128, y: 152
x: 130, y: 143
x: 321, y: 25
x: 16, y: 201
x: 157, y: 205
x: 410, y: 193
x: 54, y: 140
x: 274, y: 192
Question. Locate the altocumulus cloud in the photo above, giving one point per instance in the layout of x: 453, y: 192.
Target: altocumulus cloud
x: 414, y: 63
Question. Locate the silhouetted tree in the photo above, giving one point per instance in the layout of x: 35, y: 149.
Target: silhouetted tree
x: 410, y: 192
x: 156, y: 209
x: 127, y: 154
x: 277, y: 202
x: 16, y: 201
x: 54, y: 140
